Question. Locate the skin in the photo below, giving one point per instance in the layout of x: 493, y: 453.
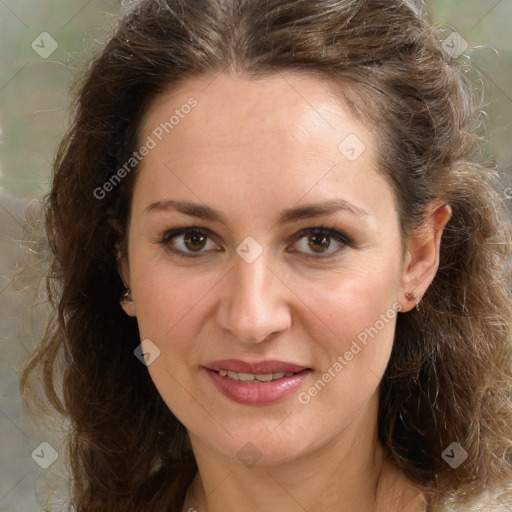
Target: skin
x: 252, y: 149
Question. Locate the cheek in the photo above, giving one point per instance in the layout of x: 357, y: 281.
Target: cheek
x: 355, y: 298
x: 167, y: 298
x: 355, y: 315
x: 361, y: 313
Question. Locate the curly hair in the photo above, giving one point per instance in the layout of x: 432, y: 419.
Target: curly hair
x: 449, y: 378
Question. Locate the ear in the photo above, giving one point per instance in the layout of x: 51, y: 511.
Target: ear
x: 422, y: 255
x: 124, y: 271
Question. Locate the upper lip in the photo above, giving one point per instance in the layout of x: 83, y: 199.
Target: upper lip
x: 256, y: 367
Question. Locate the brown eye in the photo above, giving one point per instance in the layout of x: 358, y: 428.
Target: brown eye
x: 319, y: 243
x: 194, y: 240
x: 188, y: 242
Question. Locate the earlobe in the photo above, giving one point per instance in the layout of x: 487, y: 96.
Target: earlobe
x: 411, y: 296
x: 127, y: 303
x: 423, y: 255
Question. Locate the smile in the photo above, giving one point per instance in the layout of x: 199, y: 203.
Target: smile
x: 256, y: 383
x: 254, y: 378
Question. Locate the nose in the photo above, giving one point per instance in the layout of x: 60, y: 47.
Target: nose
x: 254, y: 302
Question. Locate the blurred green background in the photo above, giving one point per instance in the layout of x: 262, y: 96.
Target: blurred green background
x: 33, y: 114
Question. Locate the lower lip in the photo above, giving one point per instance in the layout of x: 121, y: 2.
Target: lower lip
x: 258, y: 393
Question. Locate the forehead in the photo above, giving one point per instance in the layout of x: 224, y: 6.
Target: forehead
x: 278, y: 102
x: 284, y: 136
x: 290, y: 115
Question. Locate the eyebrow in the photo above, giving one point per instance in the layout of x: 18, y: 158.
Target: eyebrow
x: 287, y: 216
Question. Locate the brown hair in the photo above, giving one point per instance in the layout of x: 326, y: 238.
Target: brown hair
x: 449, y: 378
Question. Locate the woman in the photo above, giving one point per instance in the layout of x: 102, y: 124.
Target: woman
x: 312, y: 265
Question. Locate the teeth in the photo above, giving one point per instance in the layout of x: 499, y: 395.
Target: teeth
x: 251, y: 377
x: 264, y: 377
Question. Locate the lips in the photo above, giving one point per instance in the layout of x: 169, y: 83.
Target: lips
x: 257, y: 383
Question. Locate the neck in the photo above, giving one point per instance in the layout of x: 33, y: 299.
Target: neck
x: 342, y: 475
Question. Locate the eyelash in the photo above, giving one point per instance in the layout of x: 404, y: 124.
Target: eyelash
x: 325, y: 230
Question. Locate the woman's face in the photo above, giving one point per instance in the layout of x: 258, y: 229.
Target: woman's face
x: 295, y: 267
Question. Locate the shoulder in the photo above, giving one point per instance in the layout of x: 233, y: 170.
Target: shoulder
x: 487, y: 502
x: 398, y: 493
